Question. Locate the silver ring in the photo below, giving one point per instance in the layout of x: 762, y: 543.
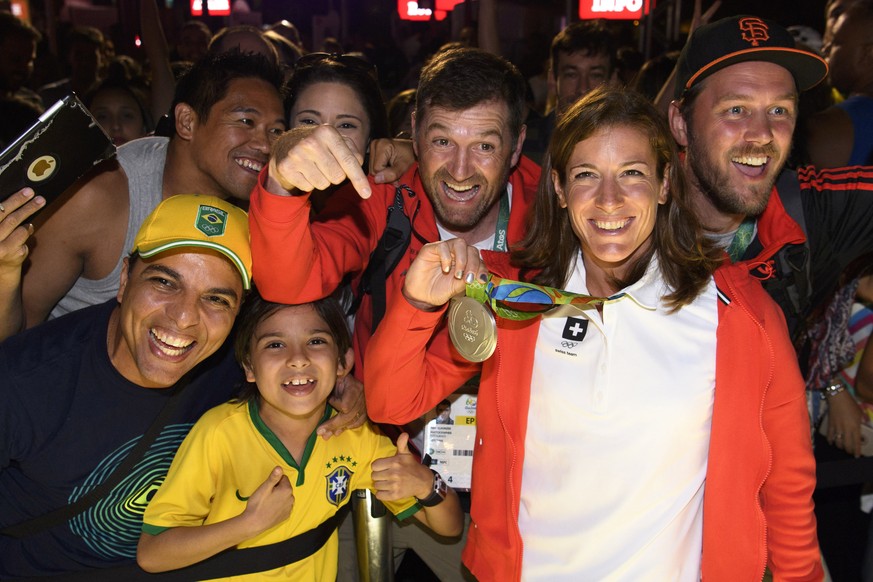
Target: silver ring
x: 839, y: 435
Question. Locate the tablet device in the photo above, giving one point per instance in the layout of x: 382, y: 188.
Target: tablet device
x: 54, y: 152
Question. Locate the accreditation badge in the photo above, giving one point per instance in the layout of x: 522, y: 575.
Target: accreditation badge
x: 449, y: 439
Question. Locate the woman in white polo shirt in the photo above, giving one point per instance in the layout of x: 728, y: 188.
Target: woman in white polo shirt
x: 658, y: 435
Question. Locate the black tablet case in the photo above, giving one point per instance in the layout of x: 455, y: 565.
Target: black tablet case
x: 56, y: 151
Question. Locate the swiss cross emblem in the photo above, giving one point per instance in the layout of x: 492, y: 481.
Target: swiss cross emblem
x: 754, y: 30
x: 575, y: 328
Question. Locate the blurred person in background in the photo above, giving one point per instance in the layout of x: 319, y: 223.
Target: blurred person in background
x: 84, y: 57
x: 18, y: 42
x: 120, y: 108
x: 193, y: 41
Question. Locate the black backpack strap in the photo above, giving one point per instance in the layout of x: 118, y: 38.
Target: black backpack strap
x: 233, y: 562
x: 793, y: 287
x: 385, y: 257
x: 67, y: 512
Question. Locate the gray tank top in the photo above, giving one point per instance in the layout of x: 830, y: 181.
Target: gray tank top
x: 143, y: 162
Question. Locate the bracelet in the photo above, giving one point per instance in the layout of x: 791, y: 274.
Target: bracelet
x: 834, y: 389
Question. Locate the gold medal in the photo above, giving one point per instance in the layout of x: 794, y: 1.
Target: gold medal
x: 472, y: 329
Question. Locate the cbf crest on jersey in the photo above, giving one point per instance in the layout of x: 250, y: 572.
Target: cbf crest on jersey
x: 338, y: 482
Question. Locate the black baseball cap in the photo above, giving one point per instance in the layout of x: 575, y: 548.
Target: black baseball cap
x: 738, y: 39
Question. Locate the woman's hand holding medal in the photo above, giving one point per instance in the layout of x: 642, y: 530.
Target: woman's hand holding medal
x: 441, y: 270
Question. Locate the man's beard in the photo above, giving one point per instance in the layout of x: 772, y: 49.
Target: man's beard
x: 715, y: 184
x: 488, y: 195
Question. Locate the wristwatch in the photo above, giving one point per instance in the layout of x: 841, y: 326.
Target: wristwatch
x: 834, y: 389
x: 437, y: 494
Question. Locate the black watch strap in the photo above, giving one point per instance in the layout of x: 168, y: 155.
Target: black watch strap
x: 437, y: 494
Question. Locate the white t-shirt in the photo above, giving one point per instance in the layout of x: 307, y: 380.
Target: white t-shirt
x: 618, y: 435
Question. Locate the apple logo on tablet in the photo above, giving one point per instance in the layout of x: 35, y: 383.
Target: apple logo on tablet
x: 42, y: 168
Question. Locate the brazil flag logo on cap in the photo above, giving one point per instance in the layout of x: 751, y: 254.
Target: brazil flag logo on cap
x: 211, y: 221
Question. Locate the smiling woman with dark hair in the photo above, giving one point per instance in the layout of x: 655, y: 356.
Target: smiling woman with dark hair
x: 341, y: 91
x: 637, y: 435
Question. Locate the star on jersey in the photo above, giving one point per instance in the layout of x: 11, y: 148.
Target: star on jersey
x: 341, y: 459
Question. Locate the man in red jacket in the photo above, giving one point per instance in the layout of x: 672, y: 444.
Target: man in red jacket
x: 470, y: 181
x: 468, y: 134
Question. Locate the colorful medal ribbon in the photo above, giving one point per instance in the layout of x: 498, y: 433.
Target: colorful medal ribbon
x: 518, y: 300
x: 472, y: 327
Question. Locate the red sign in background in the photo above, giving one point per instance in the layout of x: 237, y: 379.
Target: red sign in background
x: 614, y: 9
x: 410, y: 9
x: 216, y: 7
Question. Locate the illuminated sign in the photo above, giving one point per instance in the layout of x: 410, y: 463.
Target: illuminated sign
x: 412, y: 10
x: 216, y: 7
x: 614, y: 9
x: 447, y: 5
x: 21, y: 10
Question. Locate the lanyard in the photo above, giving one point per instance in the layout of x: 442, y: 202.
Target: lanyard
x: 471, y: 323
x: 742, y: 239
x: 502, y: 225
x: 518, y: 300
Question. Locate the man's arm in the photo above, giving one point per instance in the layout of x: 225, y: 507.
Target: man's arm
x: 70, y: 238
x: 14, y: 234
x: 163, y: 83
x: 489, y: 37
x: 838, y: 212
x: 698, y: 19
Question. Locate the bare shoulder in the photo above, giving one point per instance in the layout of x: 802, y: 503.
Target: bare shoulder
x: 92, y: 205
x: 80, y: 234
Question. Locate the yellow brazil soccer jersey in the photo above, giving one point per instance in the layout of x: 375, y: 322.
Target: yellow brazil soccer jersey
x: 230, y: 452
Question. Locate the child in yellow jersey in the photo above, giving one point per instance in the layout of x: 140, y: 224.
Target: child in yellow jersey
x: 252, y: 472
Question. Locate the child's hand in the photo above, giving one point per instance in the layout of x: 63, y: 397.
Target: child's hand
x: 402, y: 475
x: 270, y: 504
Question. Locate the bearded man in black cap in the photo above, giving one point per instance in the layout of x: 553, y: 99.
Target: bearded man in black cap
x: 734, y: 112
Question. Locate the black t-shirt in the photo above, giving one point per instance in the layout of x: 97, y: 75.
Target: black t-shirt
x: 67, y: 418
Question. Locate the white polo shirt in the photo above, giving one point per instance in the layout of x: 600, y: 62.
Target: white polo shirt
x: 618, y: 435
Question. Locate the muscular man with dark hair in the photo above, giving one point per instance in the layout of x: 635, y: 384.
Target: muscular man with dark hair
x: 227, y: 113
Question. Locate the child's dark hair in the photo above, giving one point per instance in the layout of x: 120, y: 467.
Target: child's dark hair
x: 256, y: 309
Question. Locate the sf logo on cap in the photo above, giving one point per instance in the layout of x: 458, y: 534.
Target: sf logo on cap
x: 754, y: 30
x: 211, y: 221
